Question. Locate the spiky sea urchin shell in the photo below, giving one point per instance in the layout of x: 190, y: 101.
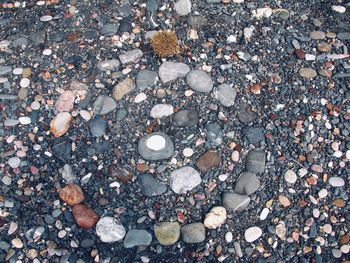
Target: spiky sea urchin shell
x: 165, y: 43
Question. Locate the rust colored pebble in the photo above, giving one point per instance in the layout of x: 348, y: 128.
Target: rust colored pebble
x: 300, y: 54
x: 84, y: 216
x: 72, y: 194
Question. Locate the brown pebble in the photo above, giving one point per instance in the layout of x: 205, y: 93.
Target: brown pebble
x: 121, y: 174
x: 338, y: 202
x: 142, y: 167
x: 344, y: 239
x: 72, y: 194
x: 324, y: 47
x: 84, y: 216
x: 300, y: 54
x: 208, y: 160
x: 325, y: 73
x: 27, y: 72
x: 284, y: 201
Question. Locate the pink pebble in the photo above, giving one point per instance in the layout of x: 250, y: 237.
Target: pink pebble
x: 34, y: 170
x: 21, y: 153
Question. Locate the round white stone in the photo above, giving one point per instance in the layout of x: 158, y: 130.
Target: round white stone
x: 140, y: 97
x: 47, y: 52
x: 161, y: 110
x: 322, y: 193
x: 336, y: 181
x: 109, y: 230
x: 17, y: 71
x: 14, y: 162
x: 35, y: 105
x: 24, y: 120
x: 85, y: 115
x: 290, y: 176
x: 252, y: 234
x: 156, y: 143
x: 229, y: 237
x: 187, y: 152
x: 264, y: 213
x: 24, y: 83
x: 46, y: 18
x: 339, y: 8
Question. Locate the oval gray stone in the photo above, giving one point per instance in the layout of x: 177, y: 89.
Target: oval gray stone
x: 153, y: 155
x: 226, y: 95
x: 184, y: 179
x: 103, y: 105
x: 131, y: 56
x: 169, y: 71
x: 150, y: 186
x: 186, y: 118
x: 199, y: 81
x: 235, y: 202
x: 193, y: 233
x: 255, y: 161
x: 137, y: 237
x: 109, y: 30
x: 146, y: 79
x: 247, y: 183
x: 97, y: 126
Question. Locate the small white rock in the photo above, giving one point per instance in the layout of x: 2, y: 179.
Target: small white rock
x: 223, y: 177
x: 35, y: 105
x: 339, y: 8
x: 336, y: 181
x: 252, y: 234
x: 110, y: 230
x: 290, y: 176
x: 140, y: 97
x: 231, y: 39
x: 85, y: 115
x: 215, y: 218
x: 161, y: 110
x: 47, y: 52
x: 24, y: 120
x: 24, y: 83
x: 322, y: 193
x: 187, y: 152
x: 264, y: 213
x: 17, y: 71
x: 229, y: 237
x: 46, y: 18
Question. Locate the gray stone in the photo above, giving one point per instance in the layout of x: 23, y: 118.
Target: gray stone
x: 255, y: 161
x: 151, y: 5
x: 131, y: 56
x: 5, y: 70
x: 62, y: 148
x: 156, y: 146
x: 214, y: 133
x: 197, y: 21
x: 170, y: 71
x: 57, y: 36
x: 103, y: 105
x: 193, y: 233
x: 184, y: 179
x: 150, y: 186
x: 20, y: 42
x: 235, y: 202
x: 254, y: 134
x: 137, y: 237
x: 226, y: 95
x: 146, y: 79
x: 38, y: 37
x: 111, y: 64
x: 183, y: 7
x: 213, y: 1
x: 336, y: 181
x: 343, y: 36
x: 68, y: 174
x: 110, y: 230
x: 247, y: 183
x: 186, y: 118
x: 109, y: 30
x: 245, y: 114
x: 11, y: 122
x: 97, y: 126
x: 199, y: 81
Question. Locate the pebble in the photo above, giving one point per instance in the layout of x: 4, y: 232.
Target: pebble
x: 110, y: 230
x: 46, y: 18
x: 186, y: 118
x: 24, y: 83
x: 336, y: 181
x: 184, y: 179
x: 65, y: 102
x: 229, y: 237
x: 14, y: 162
x: 61, y: 123
x: 322, y: 193
x: 24, y: 120
x: 167, y: 233
x: 187, y: 152
x: 85, y: 115
x: 193, y: 233
x: 72, y: 194
x: 290, y: 176
x: 17, y: 71
x: 245, y: 114
x: 264, y: 213
x: 215, y: 218
x: 108, y: 65
x: 161, y: 110
x: 183, y: 7
x: 137, y: 237
x: 140, y: 97
x: 255, y: 161
x: 109, y: 30
x: 307, y: 73
x: 247, y: 183
x: 252, y: 233
x: 317, y: 35
x: 284, y: 201
x: 170, y: 71
x: 68, y: 174
x: 17, y: 243
x: 208, y: 160
x: 214, y: 133
x: 339, y: 9
x: 104, y: 105
x: 131, y: 56
x: 22, y: 93
x: 156, y: 146
x: 146, y: 79
x: 97, y: 126
x: 199, y: 81
x: 84, y: 216
x: 235, y: 202
x: 122, y: 88
x: 12, y: 228
x: 150, y: 186
x: 226, y: 95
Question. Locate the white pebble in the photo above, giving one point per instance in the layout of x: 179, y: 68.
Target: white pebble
x: 316, y: 212
x: 336, y: 181
x: 231, y: 39
x: 327, y: 228
x: 45, y: 18
x: 188, y: 93
x: 339, y: 8
x: 140, y: 97
x: 24, y: 120
x: 345, y: 249
x: 229, y: 237
x: 290, y: 176
x: 24, y: 83
x: 347, y: 155
x: 14, y: 162
x: 17, y: 71
x: 47, y: 52
x: 187, y: 152
x: 322, y: 193
x: 223, y: 177
x: 235, y: 156
x: 85, y: 115
x: 35, y: 105
x: 264, y: 213
x: 156, y: 143
x: 252, y: 233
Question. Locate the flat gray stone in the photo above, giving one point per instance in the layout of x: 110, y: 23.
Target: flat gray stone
x: 193, y: 233
x: 184, y: 179
x: 156, y: 146
x: 343, y: 36
x: 150, y: 186
x: 186, y: 118
x: 255, y: 161
x: 97, y: 126
x: 183, y: 7
x: 235, y: 202
x: 5, y: 70
x: 226, y: 95
x: 38, y: 37
x: 109, y: 30
x: 110, y: 64
x: 245, y: 114
x: 247, y: 183
x: 199, y: 81
x: 214, y: 133
x: 137, y: 237
x: 103, y: 105
x: 170, y: 71
x: 131, y: 56
x: 146, y: 79
x: 254, y: 134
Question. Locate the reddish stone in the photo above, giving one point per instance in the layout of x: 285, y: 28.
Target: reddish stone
x: 300, y: 54
x: 208, y: 160
x: 72, y: 194
x: 121, y: 174
x: 84, y: 216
